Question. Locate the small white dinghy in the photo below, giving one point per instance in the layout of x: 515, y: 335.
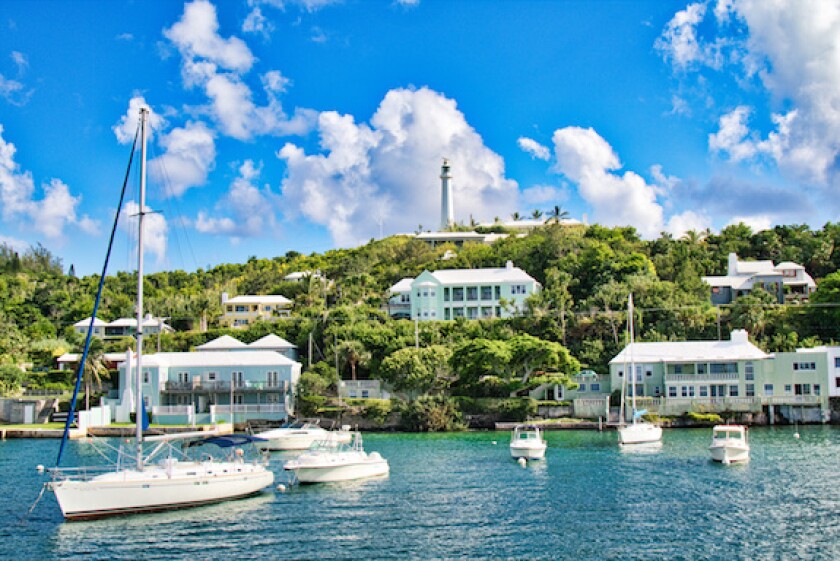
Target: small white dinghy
x: 527, y: 442
x: 729, y: 444
x: 330, y: 460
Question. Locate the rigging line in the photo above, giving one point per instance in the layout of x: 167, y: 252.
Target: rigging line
x: 89, y: 335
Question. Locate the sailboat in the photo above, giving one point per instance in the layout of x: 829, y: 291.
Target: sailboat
x: 164, y: 478
x: 638, y: 431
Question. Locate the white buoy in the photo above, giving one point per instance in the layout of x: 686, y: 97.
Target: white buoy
x: 281, y: 488
x: 522, y: 462
x: 796, y: 435
x: 494, y: 443
x: 40, y: 468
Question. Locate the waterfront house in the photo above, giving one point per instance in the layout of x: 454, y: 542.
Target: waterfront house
x: 362, y: 389
x: 241, y: 311
x: 465, y: 293
x: 399, y: 299
x: 786, y: 281
x: 210, y: 386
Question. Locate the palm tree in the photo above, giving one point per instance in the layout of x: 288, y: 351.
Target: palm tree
x: 94, y: 368
x: 536, y: 214
x: 353, y: 353
x: 557, y: 214
x: 516, y: 216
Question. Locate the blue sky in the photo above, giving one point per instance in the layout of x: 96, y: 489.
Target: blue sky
x: 312, y: 124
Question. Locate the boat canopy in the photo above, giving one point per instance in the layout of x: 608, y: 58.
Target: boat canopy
x: 225, y: 440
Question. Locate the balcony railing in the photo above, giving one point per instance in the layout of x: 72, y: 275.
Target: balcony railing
x: 724, y: 376
x: 224, y: 386
x: 249, y: 408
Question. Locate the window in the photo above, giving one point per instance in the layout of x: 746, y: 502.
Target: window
x: 621, y: 374
x: 446, y: 294
x: 458, y: 312
x: 656, y: 391
x: 272, y: 379
x: 433, y: 313
x: 837, y: 362
x: 447, y: 313
x: 685, y: 391
x: 791, y: 273
x: 733, y: 391
x: 672, y: 391
x: 237, y: 378
x: 749, y: 390
x: 472, y: 293
x: 768, y: 389
x: 517, y: 289
x: 498, y: 311
x: 704, y: 391
x: 497, y: 290
x: 238, y: 399
x: 837, y: 382
x: 582, y: 388
x: 648, y: 373
x: 749, y: 371
x: 806, y: 389
x: 458, y: 294
x: 723, y: 368
x: 365, y: 394
x: 595, y: 387
x: 690, y: 391
x: 804, y: 365
x: 817, y: 389
x: 184, y: 377
x: 211, y: 376
x: 486, y: 292
x: 145, y: 377
x: 272, y: 398
x: 787, y: 388
x: 678, y: 369
x: 267, y: 308
x: 701, y: 368
x: 241, y: 308
x: 486, y: 311
x: 472, y: 312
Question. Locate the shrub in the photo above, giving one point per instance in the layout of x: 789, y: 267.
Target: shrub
x: 432, y: 414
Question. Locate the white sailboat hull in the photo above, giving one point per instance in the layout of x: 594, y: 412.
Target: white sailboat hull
x: 639, y: 433
x: 179, y: 485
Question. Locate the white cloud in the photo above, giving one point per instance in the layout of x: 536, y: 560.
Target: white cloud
x: 389, y: 170
x: 190, y: 152
x: 20, y: 61
x: 252, y: 209
x: 16, y: 244
x: 687, y: 221
x: 756, y: 222
x: 49, y: 215
x: 196, y: 35
x: 204, y: 52
x: 617, y: 200
x: 733, y: 136
x: 679, y: 41
x: 155, y: 229
x: 13, y: 92
x: 127, y: 125
x: 256, y: 22
x: 534, y: 148
x: 408, y: 3
x: 541, y: 194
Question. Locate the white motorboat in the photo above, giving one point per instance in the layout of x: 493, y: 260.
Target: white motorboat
x: 329, y: 461
x: 729, y: 444
x: 301, y: 435
x: 527, y: 442
x: 638, y: 431
x: 163, y: 479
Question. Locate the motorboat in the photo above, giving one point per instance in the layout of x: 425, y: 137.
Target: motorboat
x: 175, y: 481
x: 139, y: 480
x: 729, y: 444
x: 639, y: 431
x: 527, y: 442
x: 329, y: 461
x: 301, y: 435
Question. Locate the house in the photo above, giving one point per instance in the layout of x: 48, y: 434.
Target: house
x: 399, y: 301
x: 241, y: 311
x: 470, y: 293
x: 458, y: 239
x: 122, y: 327
x: 70, y: 361
x: 270, y: 342
x: 210, y: 386
x: 675, y: 377
x: 786, y: 281
x: 362, y: 389
x: 300, y: 276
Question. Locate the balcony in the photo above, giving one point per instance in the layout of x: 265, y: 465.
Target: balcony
x: 216, y: 386
x: 703, y: 378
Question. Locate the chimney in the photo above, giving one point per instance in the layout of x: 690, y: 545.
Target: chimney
x: 447, y: 215
x: 739, y: 335
x: 509, y: 265
x: 732, y: 264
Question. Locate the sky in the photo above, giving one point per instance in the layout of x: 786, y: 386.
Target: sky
x: 307, y: 125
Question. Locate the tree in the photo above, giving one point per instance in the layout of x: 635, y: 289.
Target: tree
x: 95, y: 368
x: 353, y: 353
x: 536, y: 214
x: 417, y: 371
x: 11, y: 379
x: 557, y: 214
x: 552, y: 360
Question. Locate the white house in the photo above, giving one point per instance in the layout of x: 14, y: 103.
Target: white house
x: 122, y: 327
x: 241, y: 311
x: 785, y: 281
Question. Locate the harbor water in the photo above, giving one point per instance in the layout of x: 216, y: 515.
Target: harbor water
x: 462, y: 496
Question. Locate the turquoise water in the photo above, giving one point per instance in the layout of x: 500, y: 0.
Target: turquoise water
x: 462, y: 496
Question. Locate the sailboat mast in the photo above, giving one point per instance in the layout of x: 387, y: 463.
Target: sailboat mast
x: 139, y: 409
x: 632, y: 362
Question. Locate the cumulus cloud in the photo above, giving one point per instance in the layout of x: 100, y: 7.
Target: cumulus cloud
x: 20, y: 61
x: 389, y: 170
x: 155, y: 229
x: 189, y: 155
x: 541, y: 194
x: 757, y: 223
x: 217, y: 66
x: 792, y: 47
x: 534, y: 148
x: 256, y: 22
x: 13, y: 91
x: 251, y: 210
x: 49, y: 215
x: 16, y: 244
x: 617, y: 200
x: 127, y: 125
x: 688, y: 221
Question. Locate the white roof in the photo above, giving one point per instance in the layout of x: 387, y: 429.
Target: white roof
x: 479, y: 276
x: 751, y: 267
x: 734, y: 282
x: 272, y: 341
x: 259, y: 299
x: 690, y: 351
x: 86, y: 322
x: 298, y: 275
x: 451, y: 236
x: 217, y: 359
x: 402, y: 286
x: 222, y: 343
x: 76, y: 357
x: 787, y: 265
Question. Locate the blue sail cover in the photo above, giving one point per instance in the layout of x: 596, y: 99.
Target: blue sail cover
x: 225, y: 441
x: 638, y: 414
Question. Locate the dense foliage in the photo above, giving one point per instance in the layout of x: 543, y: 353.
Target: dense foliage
x: 576, y: 321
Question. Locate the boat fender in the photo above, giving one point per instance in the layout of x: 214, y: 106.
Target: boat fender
x: 40, y: 468
x: 522, y: 462
x: 796, y: 435
x: 281, y: 488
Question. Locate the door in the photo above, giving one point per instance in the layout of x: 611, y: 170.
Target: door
x: 29, y: 413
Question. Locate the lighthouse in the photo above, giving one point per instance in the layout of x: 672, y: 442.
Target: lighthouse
x: 447, y: 215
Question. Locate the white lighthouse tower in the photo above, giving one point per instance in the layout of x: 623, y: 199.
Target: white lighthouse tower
x: 447, y: 215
